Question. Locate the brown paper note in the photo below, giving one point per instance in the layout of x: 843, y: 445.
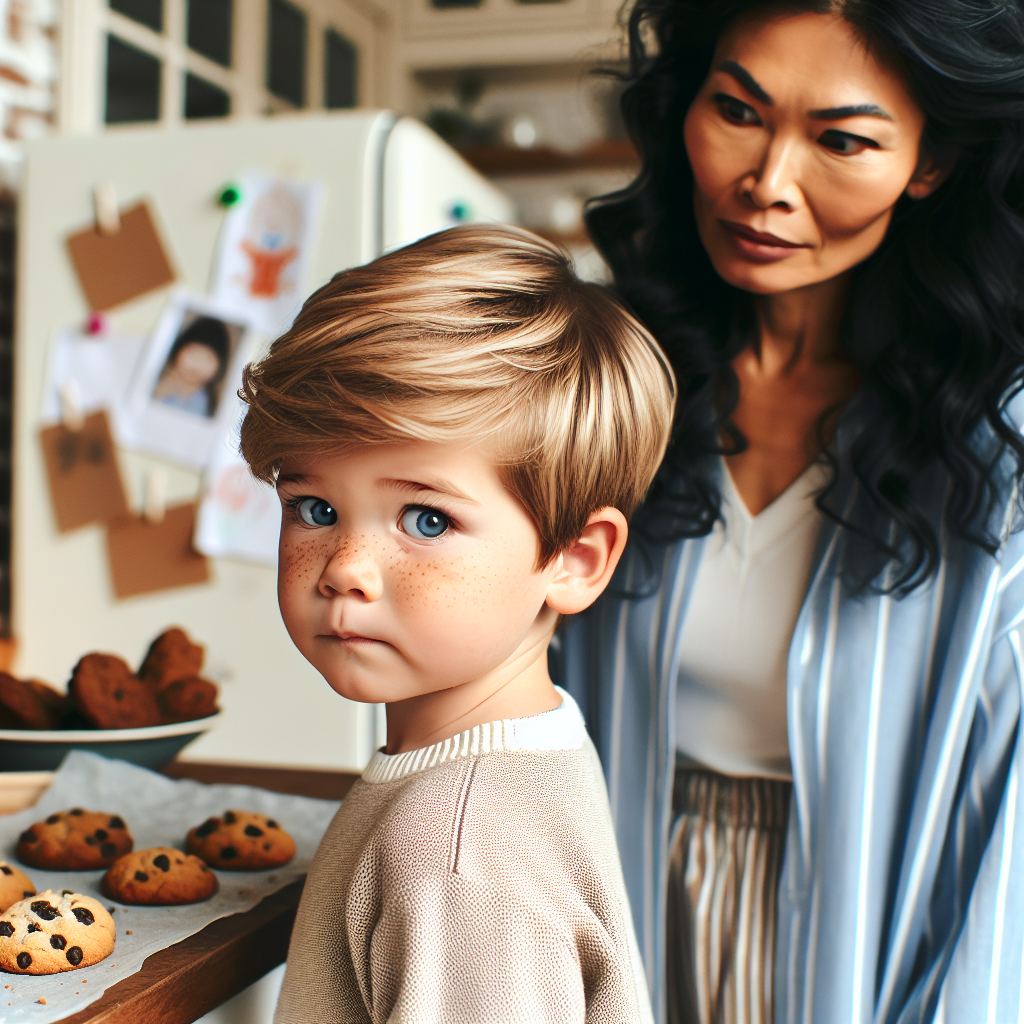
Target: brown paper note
x: 147, y: 556
x: 113, y: 269
x: 85, y: 484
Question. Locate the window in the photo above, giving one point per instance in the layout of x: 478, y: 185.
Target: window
x: 443, y: 4
x: 146, y: 12
x: 204, y: 99
x: 286, y: 52
x: 209, y: 29
x: 133, y: 84
x: 340, y: 67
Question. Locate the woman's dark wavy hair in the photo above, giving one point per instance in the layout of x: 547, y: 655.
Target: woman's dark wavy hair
x: 935, y: 317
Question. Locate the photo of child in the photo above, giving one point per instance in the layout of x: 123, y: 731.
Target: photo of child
x: 193, y: 374
x: 177, y: 405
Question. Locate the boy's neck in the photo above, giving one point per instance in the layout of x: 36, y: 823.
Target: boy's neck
x: 522, y: 688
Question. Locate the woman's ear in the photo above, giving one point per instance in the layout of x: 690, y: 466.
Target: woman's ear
x: 929, y: 174
x: 585, y: 566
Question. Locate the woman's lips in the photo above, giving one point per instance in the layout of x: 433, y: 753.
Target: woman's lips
x: 759, y: 246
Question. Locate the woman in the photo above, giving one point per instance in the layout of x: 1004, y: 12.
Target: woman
x: 824, y: 585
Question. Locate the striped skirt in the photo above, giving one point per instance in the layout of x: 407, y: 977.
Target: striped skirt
x: 727, y: 843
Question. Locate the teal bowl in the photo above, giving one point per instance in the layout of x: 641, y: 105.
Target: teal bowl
x: 34, y: 750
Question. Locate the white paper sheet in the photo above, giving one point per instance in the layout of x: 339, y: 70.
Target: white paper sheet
x: 265, y: 249
x: 158, y: 812
x: 101, y: 365
x: 238, y: 517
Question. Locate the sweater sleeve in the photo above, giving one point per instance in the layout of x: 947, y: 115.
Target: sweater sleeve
x: 509, y: 914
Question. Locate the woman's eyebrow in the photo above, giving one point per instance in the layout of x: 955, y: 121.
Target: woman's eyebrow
x: 746, y: 79
x: 862, y: 110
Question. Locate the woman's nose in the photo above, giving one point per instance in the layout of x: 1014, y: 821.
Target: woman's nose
x: 774, y: 183
x: 352, y: 571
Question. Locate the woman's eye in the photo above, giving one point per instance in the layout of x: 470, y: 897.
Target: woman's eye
x: 735, y: 110
x: 425, y: 523
x: 843, y: 142
x: 316, y: 512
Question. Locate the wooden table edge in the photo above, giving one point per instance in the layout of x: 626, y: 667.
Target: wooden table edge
x: 164, y: 990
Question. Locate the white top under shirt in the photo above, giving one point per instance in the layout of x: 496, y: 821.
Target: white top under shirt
x: 731, y: 700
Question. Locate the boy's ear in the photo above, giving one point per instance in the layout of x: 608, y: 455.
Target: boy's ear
x: 585, y: 566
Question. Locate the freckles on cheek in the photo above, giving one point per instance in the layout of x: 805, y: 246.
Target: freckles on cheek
x: 301, y: 561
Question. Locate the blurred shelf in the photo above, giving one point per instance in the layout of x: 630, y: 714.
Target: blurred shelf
x: 497, y: 160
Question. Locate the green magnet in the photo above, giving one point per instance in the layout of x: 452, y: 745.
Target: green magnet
x: 230, y: 195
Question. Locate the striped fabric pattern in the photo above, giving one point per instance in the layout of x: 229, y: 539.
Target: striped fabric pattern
x: 902, y: 893
x: 725, y: 857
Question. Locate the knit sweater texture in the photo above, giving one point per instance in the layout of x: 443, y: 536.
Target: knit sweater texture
x: 475, y: 881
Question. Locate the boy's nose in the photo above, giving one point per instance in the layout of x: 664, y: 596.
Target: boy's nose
x: 352, y: 572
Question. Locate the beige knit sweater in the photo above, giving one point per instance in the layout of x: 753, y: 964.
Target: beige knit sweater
x: 470, y: 882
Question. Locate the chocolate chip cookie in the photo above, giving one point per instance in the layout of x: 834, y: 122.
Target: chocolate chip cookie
x: 110, y: 695
x: 241, y: 841
x: 29, y: 704
x: 187, y: 699
x: 159, y: 877
x: 74, y: 840
x: 54, y: 932
x: 15, y: 885
x: 171, y: 656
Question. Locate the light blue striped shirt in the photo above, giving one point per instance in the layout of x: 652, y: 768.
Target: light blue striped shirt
x: 902, y: 892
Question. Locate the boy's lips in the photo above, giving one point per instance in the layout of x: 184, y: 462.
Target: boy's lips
x: 349, y: 638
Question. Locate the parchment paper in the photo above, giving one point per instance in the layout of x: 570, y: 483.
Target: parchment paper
x: 158, y: 812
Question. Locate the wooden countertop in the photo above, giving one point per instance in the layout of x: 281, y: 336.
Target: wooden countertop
x: 181, y: 983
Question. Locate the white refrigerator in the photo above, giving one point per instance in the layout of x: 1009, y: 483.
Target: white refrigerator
x: 385, y: 181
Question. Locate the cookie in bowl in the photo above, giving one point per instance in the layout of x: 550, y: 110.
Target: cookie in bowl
x: 171, y: 656
x: 15, y: 885
x: 159, y: 877
x: 241, y: 841
x: 110, y: 696
x: 75, y: 840
x: 53, y: 932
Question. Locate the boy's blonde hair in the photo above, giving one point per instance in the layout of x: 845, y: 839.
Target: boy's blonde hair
x: 478, y: 334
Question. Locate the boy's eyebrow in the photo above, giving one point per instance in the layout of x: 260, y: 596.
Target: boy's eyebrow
x: 439, y: 486
x: 294, y: 478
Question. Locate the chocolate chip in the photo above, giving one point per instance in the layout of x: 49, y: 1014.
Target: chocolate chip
x: 28, y: 836
x: 53, y: 819
x: 58, y: 941
x: 118, y: 695
x: 252, y: 830
x: 141, y: 876
x: 76, y: 811
x: 6, y: 929
x: 67, y: 892
x: 101, y: 834
x: 272, y: 824
x: 24, y: 961
x: 108, y: 850
x: 26, y: 893
x: 228, y: 853
x: 84, y: 915
x: 266, y: 846
x: 6, y: 870
x: 91, y: 840
x: 33, y: 927
x: 162, y: 862
x: 208, y: 826
x: 44, y: 911
x: 74, y: 955
x: 229, y: 818
x: 115, y: 822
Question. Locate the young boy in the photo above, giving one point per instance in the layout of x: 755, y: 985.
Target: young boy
x: 458, y: 433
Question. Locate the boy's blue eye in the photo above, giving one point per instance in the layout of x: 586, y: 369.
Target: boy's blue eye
x: 316, y: 512
x: 425, y: 523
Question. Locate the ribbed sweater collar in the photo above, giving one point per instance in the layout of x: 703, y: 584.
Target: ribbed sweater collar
x: 560, y: 729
